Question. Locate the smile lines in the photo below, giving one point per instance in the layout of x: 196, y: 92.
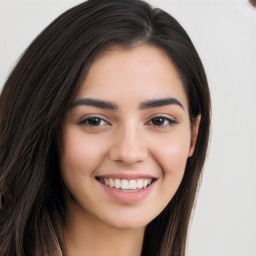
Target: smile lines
x: 126, y: 185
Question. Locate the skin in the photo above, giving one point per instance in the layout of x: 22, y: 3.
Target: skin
x: 128, y: 140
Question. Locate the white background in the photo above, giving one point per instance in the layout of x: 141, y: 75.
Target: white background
x: 224, y: 33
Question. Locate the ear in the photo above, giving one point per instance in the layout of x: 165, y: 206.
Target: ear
x: 194, y: 132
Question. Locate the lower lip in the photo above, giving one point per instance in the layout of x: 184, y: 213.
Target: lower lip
x: 128, y: 197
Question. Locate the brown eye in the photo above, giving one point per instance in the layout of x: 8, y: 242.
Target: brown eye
x: 93, y: 121
x: 162, y: 121
x: 158, y: 121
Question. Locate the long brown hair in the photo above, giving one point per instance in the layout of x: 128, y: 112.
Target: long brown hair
x: 34, y: 103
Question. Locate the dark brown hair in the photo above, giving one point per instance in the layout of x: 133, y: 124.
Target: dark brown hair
x: 34, y: 103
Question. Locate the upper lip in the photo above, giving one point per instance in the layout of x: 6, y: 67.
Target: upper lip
x: 128, y: 176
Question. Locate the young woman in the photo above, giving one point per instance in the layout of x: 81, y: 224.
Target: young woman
x: 104, y: 127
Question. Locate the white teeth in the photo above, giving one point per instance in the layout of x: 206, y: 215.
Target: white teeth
x: 111, y: 183
x: 145, y: 183
x: 117, y: 183
x: 106, y: 181
x: 124, y: 184
x: 132, y: 184
x: 140, y: 184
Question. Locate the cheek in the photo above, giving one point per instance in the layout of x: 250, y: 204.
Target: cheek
x: 81, y: 153
x: 172, y: 151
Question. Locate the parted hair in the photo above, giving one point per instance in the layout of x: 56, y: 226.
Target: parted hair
x: 35, y: 100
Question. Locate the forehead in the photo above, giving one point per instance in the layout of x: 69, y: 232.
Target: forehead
x: 137, y: 74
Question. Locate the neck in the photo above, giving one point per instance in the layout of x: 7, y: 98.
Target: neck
x: 85, y: 235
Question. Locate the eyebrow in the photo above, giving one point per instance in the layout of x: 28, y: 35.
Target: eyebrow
x: 95, y: 103
x: 112, y: 106
x: 160, y: 103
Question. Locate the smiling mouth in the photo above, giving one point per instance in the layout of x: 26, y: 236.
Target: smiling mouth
x: 126, y: 185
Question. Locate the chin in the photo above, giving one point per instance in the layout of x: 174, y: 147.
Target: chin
x: 128, y: 225
x: 128, y: 220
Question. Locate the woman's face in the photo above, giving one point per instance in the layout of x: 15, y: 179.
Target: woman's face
x: 126, y: 138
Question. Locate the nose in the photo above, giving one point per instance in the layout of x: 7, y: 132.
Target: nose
x: 129, y: 147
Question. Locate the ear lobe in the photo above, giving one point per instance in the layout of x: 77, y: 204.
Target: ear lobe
x: 194, y: 133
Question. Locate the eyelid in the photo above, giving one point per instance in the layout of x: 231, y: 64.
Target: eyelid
x: 169, y: 118
x: 91, y: 116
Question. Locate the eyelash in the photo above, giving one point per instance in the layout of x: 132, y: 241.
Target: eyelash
x: 167, y: 121
x: 97, y: 120
x: 88, y: 119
